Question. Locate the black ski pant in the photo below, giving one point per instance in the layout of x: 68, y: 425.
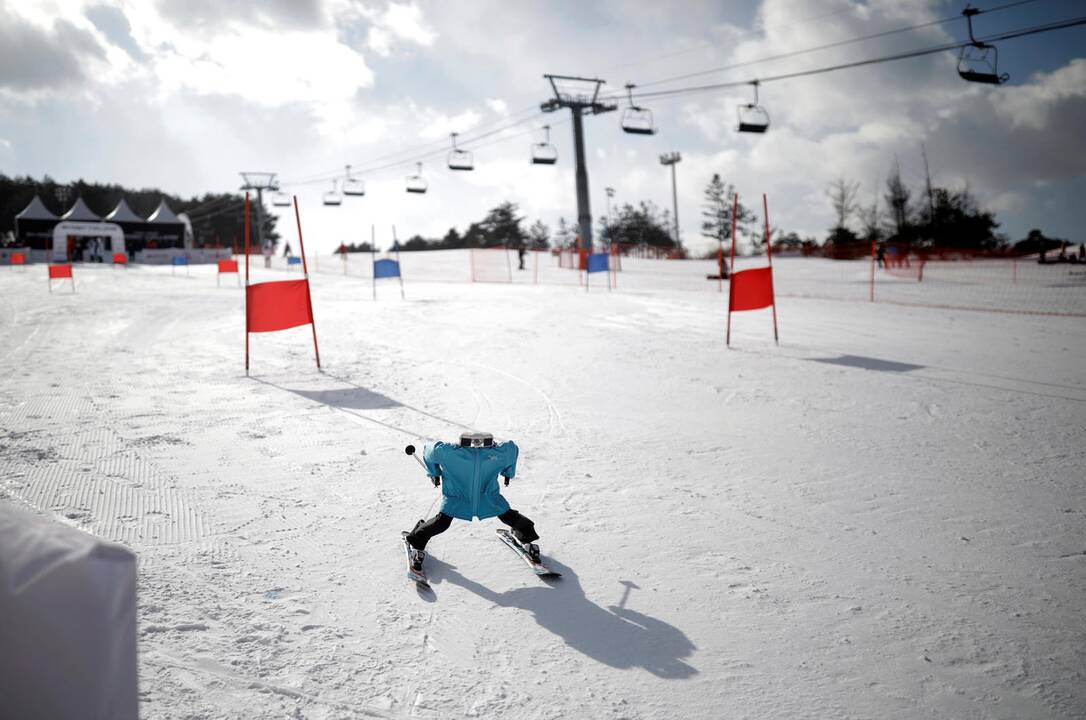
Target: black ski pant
x: 523, y: 528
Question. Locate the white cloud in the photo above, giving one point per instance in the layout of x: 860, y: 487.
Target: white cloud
x: 1030, y: 105
x: 436, y: 124
x: 399, y: 22
x: 497, y: 106
x: 266, y: 68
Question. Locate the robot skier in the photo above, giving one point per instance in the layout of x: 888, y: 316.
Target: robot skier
x: 467, y: 474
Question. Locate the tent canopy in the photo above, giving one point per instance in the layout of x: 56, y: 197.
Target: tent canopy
x: 36, y: 210
x: 123, y: 214
x: 163, y: 215
x: 80, y: 213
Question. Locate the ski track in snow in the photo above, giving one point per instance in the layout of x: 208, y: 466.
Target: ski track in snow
x: 882, y: 517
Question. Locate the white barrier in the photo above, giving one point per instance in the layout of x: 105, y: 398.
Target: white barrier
x: 67, y: 622
x: 196, y: 256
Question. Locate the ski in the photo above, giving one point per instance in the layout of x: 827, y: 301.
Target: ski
x: 418, y: 576
x: 539, y: 568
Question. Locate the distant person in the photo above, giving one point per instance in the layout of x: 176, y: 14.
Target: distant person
x: 521, y: 252
x: 268, y: 250
x: 1082, y: 252
x: 1062, y: 257
x: 880, y: 255
x: 97, y: 256
x: 286, y: 250
x: 723, y: 266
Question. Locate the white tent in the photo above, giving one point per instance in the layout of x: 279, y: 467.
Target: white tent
x: 123, y: 214
x: 80, y: 213
x: 36, y: 210
x: 163, y: 215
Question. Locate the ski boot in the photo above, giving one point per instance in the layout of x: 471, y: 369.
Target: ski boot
x: 532, y: 550
x: 417, y: 557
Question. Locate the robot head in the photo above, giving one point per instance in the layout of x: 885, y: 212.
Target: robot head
x: 476, y: 440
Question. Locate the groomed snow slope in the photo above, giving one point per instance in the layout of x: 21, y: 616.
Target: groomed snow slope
x: 884, y: 517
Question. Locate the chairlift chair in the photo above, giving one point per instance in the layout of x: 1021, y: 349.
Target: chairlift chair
x: 281, y: 199
x: 353, y: 186
x: 544, y: 153
x: 417, y: 183
x: 333, y: 197
x: 636, y: 120
x: 460, y: 159
x: 753, y: 118
x: 979, y: 61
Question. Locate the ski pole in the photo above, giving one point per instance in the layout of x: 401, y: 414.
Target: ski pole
x: 410, y: 450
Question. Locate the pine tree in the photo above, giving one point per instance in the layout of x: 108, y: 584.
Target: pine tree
x: 717, y: 211
x: 539, y: 236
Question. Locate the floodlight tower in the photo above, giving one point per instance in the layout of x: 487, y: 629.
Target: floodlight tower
x: 673, y: 159
x: 259, y: 181
x: 582, y: 100
x: 610, y: 194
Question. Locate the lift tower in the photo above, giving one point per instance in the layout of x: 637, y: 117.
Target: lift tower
x: 259, y: 181
x: 581, y: 96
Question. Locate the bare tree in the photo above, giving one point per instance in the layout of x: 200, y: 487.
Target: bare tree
x: 870, y: 217
x: 898, y: 197
x: 842, y: 194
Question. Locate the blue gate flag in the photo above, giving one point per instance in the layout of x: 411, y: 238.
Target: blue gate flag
x: 597, y: 262
x: 180, y: 260
x: 386, y: 269
x: 294, y: 260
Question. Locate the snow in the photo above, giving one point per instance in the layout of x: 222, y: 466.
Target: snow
x: 881, y: 517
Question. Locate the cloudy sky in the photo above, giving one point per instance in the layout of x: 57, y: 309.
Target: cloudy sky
x: 184, y: 94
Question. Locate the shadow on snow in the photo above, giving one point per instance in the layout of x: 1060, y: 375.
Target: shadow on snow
x: 616, y: 635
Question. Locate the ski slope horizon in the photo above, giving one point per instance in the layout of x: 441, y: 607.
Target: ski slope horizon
x: 880, y: 517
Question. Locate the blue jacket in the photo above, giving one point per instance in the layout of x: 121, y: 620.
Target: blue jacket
x: 469, y: 477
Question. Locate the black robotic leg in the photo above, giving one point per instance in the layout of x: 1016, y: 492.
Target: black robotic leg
x: 523, y: 528
x: 426, y: 529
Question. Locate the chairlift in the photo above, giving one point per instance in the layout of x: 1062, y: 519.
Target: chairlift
x: 417, y: 183
x: 753, y: 118
x: 544, y: 153
x: 979, y: 61
x: 353, y: 186
x: 636, y: 120
x: 334, y: 197
x: 460, y: 159
x: 281, y: 199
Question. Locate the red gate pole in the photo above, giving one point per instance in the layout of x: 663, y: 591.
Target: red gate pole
x: 308, y: 294
x: 246, y: 284
x: 769, y: 253
x: 399, y: 265
x: 731, y: 285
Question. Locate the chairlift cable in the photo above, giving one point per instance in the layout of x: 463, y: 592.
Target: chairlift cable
x: 817, y: 48
x: 407, y: 156
x: 1009, y: 35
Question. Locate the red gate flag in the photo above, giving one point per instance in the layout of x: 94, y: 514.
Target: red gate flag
x: 60, y: 272
x: 751, y: 289
x: 281, y: 304
x: 18, y: 259
x: 120, y: 259
x: 228, y: 266
x: 278, y: 305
